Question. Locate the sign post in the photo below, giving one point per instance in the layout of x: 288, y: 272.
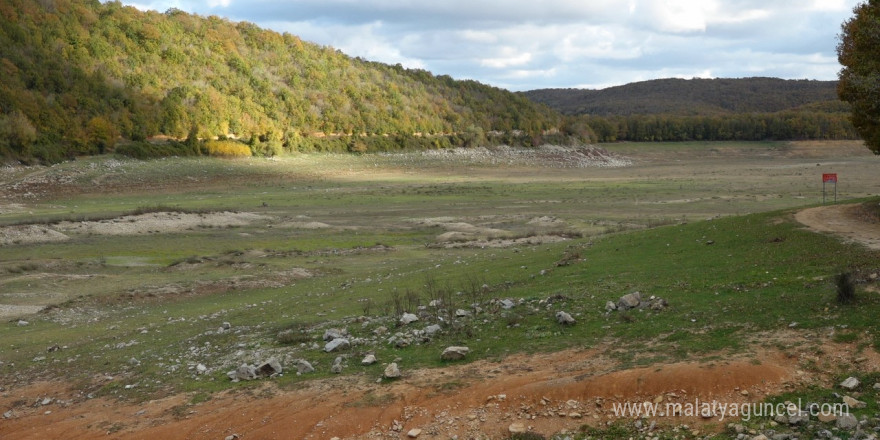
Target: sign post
x: 829, y: 178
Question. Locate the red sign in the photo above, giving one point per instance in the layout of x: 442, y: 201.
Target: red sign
x: 829, y: 178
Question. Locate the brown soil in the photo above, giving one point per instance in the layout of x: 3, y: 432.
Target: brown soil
x: 847, y: 221
x: 546, y: 392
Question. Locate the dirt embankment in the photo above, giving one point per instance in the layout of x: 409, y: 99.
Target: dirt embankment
x: 848, y: 221
x: 546, y: 393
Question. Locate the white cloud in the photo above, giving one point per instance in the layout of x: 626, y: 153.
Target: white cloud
x: 524, y: 44
x: 510, y: 58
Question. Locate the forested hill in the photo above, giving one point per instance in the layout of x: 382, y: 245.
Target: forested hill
x: 78, y: 76
x: 751, y: 109
x: 692, y: 97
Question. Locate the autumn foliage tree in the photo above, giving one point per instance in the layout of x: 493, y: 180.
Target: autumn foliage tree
x: 859, y: 53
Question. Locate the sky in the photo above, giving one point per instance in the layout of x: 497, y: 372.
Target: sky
x: 532, y: 44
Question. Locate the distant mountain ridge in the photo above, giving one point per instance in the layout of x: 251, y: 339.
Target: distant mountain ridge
x: 693, y: 97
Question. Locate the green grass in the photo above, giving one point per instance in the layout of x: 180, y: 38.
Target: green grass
x: 160, y: 298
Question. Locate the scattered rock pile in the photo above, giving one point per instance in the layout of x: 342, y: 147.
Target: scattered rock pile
x: 635, y: 301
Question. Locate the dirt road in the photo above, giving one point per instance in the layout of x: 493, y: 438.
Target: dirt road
x: 847, y: 221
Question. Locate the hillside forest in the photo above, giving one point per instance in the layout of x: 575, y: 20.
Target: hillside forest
x: 85, y: 77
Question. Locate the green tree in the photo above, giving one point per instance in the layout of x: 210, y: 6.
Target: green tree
x: 101, y: 133
x: 859, y: 53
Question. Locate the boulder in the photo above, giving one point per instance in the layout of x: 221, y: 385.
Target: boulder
x: 269, y: 368
x: 201, y: 369
x: 392, y: 371
x: 337, y: 345
x: 454, y: 353
x: 303, y: 366
x: 610, y: 306
x: 507, y: 304
x: 517, y: 428
x: 850, y: 383
x: 243, y: 372
x: 432, y: 329
x: 413, y: 433
x: 336, y: 368
x: 801, y: 418
x: 629, y: 301
x: 854, y: 403
x: 334, y: 333
x: 408, y: 318
x: 369, y: 359
x: 564, y: 318
x: 461, y: 313
x: 846, y: 421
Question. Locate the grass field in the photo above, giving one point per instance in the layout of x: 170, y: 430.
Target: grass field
x: 306, y: 243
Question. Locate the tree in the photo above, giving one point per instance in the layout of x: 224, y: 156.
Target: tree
x: 102, y: 133
x: 859, y: 53
x: 16, y: 129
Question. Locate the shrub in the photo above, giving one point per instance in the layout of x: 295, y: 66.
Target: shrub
x: 147, y: 150
x: 846, y: 288
x: 227, y: 149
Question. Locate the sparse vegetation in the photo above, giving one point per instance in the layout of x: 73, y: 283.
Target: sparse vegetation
x: 343, y: 245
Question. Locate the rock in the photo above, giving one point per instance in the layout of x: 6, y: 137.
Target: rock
x: 226, y: 326
x: 381, y: 330
x: 826, y: 417
x: 337, y: 345
x: 391, y: 371
x: 658, y: 304
x: 853, y: 403
x: 8, y: 414
x: 877, y: 386
x: 243, y: 372
x: 564, y: 318
x: 334, y: 333
x: 454, y: 353
x: 369, y: 359
x: 337, y: 365
x: 232, y: 437
x: 303, y: 366
x: 850, y: 383
x: 760, y: 437
x: 269, y: 368
x: 22, y: 323
x: 431, y: 330
x: 201, y: 369
x: 629, y: 301
x: 461, y: 313
x: 507, y: 304
x: 799, y: 419
x: 517, y: 428
x: 408, y: 318
x: 610, y: 306
x: 413, y: 433
x: 847, y: 422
